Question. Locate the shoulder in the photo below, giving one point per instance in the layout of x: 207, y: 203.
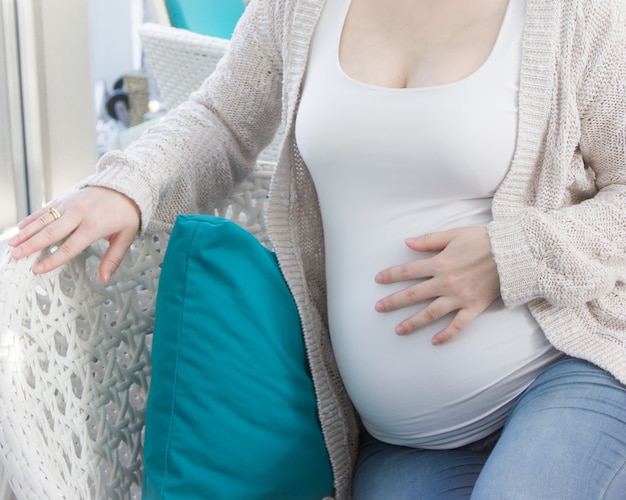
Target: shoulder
x: 293, y: 15
x: 606, y: 13
x: 283, y: 17
x: 593, y: 14
x: 291, y: 23
x: 599, y: 53
x: 595, y: 27
x: 602, y: 27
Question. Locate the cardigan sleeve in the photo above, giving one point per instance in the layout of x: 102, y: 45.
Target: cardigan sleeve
x: 576, y: 255
x: 210, y: 142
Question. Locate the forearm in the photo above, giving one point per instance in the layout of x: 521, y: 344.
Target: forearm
x: 196, y: 154
x: 568, y: 257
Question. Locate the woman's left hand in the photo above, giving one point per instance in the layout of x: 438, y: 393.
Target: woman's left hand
x: 461, y: 277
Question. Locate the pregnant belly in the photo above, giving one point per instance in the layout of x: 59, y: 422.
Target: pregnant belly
x: 406, y: 390
x: 412, y: 393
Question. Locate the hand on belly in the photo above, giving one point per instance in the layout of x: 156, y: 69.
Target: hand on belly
x: 461, y: 277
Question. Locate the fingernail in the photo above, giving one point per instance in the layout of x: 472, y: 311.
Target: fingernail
x: 17, y: 253
x: 106, y: 277
x: 412, y: 242
x: 400, y: 330
x: 380, y: 307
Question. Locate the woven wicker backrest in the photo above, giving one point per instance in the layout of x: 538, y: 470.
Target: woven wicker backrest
x: 175, y: 54
x: 75, y: 364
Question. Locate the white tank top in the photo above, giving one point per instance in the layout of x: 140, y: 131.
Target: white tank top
x: 393, y: 163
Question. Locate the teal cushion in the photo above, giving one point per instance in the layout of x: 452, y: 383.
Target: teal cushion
x: 231, y: 411
x: 208, y: 17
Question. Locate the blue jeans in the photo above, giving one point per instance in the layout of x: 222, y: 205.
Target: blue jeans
x: 565, y: 438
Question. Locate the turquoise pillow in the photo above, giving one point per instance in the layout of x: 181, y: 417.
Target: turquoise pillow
x: 209, y: 17
x: 231, y: 412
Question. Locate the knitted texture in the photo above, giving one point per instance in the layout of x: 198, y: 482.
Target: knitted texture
x: 559, y: 229
x: 559, y: 217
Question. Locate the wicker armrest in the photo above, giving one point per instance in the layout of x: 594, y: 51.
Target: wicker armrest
x: 75, y: 363
x: 74, y: 372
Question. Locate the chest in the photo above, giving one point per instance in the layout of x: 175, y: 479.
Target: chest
x: 419, y: 43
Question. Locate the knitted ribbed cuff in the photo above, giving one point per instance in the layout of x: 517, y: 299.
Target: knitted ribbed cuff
x: 115, y: 173
x: 516, y: 262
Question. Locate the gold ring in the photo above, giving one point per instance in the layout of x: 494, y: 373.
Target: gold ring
x: 56, y: 215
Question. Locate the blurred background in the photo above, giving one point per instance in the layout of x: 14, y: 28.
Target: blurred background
x: 61, y: 63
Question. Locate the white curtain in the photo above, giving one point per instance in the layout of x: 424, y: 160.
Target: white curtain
x: 13, y: 205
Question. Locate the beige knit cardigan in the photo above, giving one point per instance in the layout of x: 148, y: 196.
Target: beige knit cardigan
x: 559, y: 217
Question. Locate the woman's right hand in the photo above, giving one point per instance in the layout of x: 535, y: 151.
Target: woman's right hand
x: 79, y: 217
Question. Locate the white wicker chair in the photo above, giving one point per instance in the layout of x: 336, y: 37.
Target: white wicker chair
x: 174, y: 53
x: 75, y: 364
x: 75, y: 355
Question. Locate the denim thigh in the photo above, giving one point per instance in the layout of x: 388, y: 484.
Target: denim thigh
x: 564, y: 439
x: 386, y: 471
